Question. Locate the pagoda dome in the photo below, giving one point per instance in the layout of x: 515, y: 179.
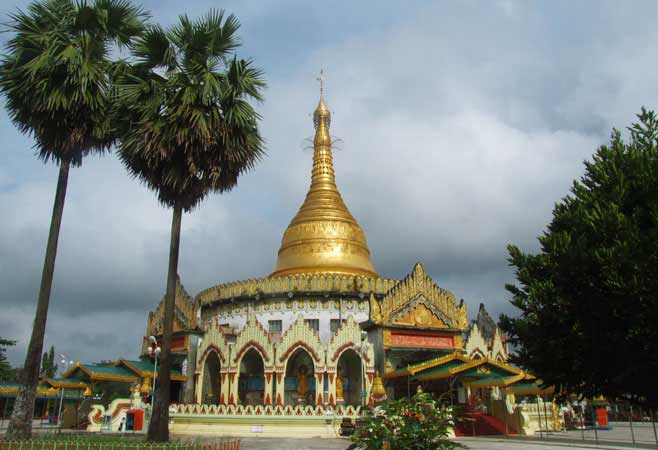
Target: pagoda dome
x: 323, y: 237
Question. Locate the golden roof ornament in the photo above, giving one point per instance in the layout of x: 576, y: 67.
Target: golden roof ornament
x: 323, y: 237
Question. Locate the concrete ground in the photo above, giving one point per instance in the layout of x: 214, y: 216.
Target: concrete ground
x: 535, y: 444
x: 619, y: 432
x: 477, y: 443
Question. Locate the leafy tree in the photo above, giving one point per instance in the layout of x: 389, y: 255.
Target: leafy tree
x: 6, y: 372
x: 56, y: 83
x: 589, y: 298
x: 48, y: 366
x: 407, y: 424
x: 187, y: 130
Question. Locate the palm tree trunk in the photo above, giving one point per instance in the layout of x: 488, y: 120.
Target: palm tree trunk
x: 159, y: 424
x: 20, y: 425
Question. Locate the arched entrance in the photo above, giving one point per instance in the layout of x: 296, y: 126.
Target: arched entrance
x: 300, y: 379
x: 211, y: 388
x: 348, y: 378
x: 251, y: 384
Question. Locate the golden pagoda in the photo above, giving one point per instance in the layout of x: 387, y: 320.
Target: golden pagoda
x: 323, y: 237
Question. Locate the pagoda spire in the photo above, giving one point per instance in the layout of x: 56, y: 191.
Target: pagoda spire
x: 323, y: 236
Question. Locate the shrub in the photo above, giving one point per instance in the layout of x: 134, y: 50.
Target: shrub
x: 408, y: 424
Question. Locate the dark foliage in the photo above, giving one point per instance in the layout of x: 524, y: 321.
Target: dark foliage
x: 6, y: 372
x: 589, y: 299
x: 48, y: 366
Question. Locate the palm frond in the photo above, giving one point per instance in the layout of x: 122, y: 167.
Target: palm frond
x: 190, y: 130
x: 56, y: 75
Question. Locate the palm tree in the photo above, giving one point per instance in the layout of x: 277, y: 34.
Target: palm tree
x: 186, y: 130
x: 56, y: 83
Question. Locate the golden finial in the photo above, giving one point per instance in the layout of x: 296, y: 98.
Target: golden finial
x: 321, y: 79
x: 321, y: 115
x: 323, y: 236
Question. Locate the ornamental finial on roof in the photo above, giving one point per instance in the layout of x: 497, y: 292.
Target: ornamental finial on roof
x: 321, y: 115
x: 321, y: 79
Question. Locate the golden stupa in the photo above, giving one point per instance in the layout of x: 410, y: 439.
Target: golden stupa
x: 323, y: 236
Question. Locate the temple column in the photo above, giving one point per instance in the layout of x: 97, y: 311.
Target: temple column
x: 190, y: 383
x: 269, y: 384
x: 331, y: 386
x: 198, y: 387
x: 370, y: 376
x: 280, y: 385
x: 319, y: 387
x: 224, y: 386
x: 233, y: 386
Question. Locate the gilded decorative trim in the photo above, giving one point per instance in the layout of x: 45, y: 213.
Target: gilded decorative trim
x: 418, y: 288
x: 307, y: 283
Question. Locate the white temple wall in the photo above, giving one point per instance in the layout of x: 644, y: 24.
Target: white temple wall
x: 287, y: 312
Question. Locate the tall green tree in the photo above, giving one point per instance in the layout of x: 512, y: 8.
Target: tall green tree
x: 187, y: 129
x: 55, y: 80
x: 6, y: 372
x: 48, y: 366
x: 589, y: 298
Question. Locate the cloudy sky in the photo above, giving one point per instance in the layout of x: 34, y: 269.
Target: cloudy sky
x: 461, y: 124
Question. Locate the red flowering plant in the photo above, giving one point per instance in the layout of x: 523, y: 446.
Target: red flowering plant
x: 408, y: 424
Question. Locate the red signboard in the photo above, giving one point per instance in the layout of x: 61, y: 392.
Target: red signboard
x: 421, y: 340
x: 177, y: 343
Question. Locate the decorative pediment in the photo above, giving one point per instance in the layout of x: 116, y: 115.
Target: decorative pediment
x: 419, y: 313
x: 300, y: 334
x: 213, y: 340
x: 346, y: 337
x: 185, y: 312
x: 498, y: 350
x: 253, y: 335
x: 439, y: 307
x: 475, y: 346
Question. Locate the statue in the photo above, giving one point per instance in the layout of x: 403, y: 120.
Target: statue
x: 135, y: 396
x: 339, y: 389
x: 301, y: 383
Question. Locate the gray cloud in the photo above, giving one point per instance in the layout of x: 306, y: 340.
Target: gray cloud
x: 461, y: 127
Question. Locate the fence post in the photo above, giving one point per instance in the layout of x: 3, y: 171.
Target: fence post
x: 581, y: 419
x: 630, y: 421
x: 595, y: 424
x: 653, y: 422
x: 541, y: 434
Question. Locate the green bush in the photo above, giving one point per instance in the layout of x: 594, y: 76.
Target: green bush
x: 408, y: 424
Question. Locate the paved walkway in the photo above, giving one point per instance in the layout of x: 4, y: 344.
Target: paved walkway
x: 536, y: 444
x: 471, y: 443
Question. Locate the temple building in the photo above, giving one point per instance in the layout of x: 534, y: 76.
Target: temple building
x: 320, y: 336
x: 324, y: 324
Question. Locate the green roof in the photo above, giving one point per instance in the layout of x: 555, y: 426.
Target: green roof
x: 494, y: 372
x: 442, y: 369
x: 147, y: 367
x: 10, y: 390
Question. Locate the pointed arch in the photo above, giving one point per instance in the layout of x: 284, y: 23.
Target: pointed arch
x: 252, y: 336
x: 214, y: 341
x: 300, y: 335
x: 347, y: 335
